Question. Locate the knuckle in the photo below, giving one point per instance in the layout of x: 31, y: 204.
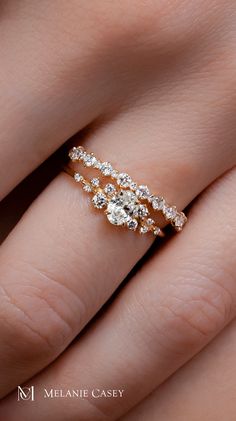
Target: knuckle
x: 161, y: 24
x: 184, y: 316
x: 195, y: 311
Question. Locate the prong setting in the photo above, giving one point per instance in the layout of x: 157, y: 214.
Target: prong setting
x: 123, y: 204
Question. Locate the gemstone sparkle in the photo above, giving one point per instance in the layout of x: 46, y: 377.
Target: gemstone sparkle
x: 124, y: 180
x: 99, y: 200
x: 106, y: 168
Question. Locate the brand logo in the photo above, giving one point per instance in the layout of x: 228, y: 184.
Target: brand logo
x: 25, y: 393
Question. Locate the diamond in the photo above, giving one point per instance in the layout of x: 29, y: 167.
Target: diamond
x: 95, y: 182
x: 142, y: 192
x: 99, y: 200
x: 141, y: 211
x: 133, y: 186
x: 179, y: 221
x: 143, y: 229
x: 158, y: 202
x: 132, y: 224
x: 87, y: 187
x: 124, y: 180
x: 76, y: 153
x: 89, y: 160
x: 116, y: 214
x: 157, y: 231
x: 130, y: 202
x: 128, y: 197
x: 98, y: 164
x: 150, y: 221
x: 170, y: 212
x: 106, y: 168
x: 114, y: 174
x: 121, y: 206
x: 109, y: 189
x: 78, y: 177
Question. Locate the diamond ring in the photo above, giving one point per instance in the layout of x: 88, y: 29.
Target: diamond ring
x: 124, y: 202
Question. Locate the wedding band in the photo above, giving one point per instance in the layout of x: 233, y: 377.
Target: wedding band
x: 124, y: 202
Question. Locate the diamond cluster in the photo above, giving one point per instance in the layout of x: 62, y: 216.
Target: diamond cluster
x: 123, y: 204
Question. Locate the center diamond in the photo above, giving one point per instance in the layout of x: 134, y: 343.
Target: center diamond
x: 121, y: 206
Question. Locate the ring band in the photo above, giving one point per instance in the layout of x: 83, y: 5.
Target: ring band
x: 124, y: 202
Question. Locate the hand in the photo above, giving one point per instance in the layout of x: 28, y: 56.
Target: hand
x: 204, y: 388
x: 154, y: 86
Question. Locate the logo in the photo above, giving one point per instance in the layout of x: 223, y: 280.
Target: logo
x: 25, y: 393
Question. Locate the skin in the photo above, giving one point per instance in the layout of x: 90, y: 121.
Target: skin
x: 154, y: 86
x: 203, y: 389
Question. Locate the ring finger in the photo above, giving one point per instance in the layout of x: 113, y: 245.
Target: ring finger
x: 49, y: 287
x: 158, y: 322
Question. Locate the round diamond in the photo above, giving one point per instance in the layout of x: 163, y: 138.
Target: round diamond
x: 114, y: 173
x: 98, y: 165
x: 76, y: 153
x: 89, y: 160
x: 106, y: 168
x: 133, y: 186
x: 121, y: 206
x: 170, y: 212
x: 158, y: 202
x: 157, y: 231
x: 179, y: 221
x: 150, y: 221
x: 143, y: 229
x: 128, y: 197
x: 141, y: 211
x: 87, y: 187
x: 99, y: 200
x: 124, y: 180
x: 142, y: 192
x: 95, y: 182
x: 132, y: 224
x: 116, y: 213
x: 109, y: 189
x: 78, y: 177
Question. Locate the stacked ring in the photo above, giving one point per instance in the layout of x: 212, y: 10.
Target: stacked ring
x: 124, y: 201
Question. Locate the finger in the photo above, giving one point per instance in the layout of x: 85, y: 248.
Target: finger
x: 58, y: 77
x: 52, y: 84
x: 212, y: 377
x: 68, y: 287
x: 49, y: 288
x: 27, y: 191
x: 171, y: 310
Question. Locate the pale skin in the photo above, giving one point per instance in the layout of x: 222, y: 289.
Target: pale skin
x: 154, y: 84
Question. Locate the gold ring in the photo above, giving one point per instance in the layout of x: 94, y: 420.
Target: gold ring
x: 124, y: 202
